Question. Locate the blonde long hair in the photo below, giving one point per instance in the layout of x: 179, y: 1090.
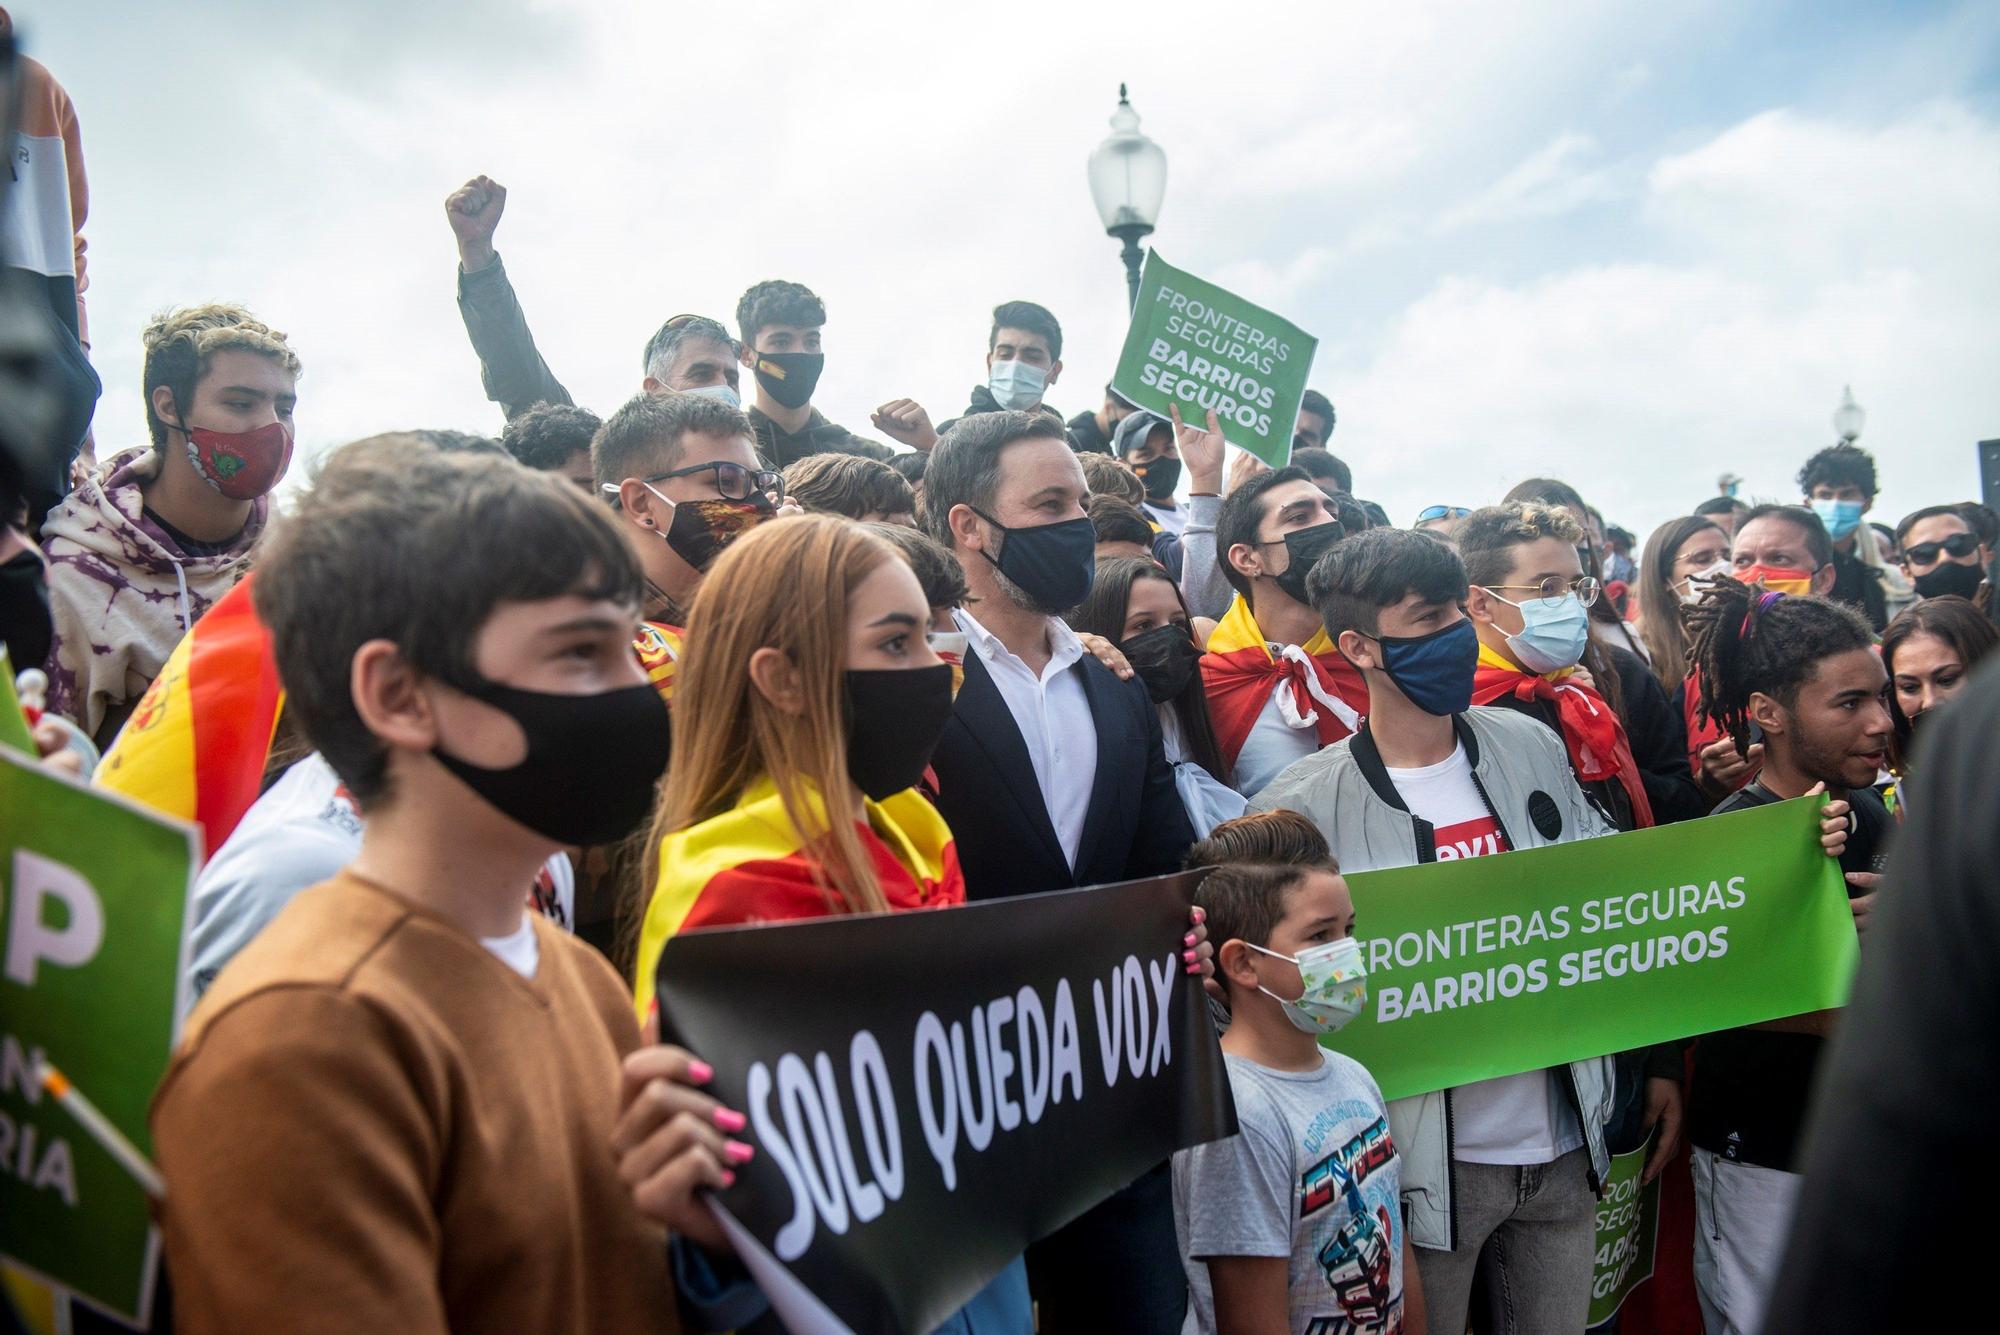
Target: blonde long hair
x: 784, y: 585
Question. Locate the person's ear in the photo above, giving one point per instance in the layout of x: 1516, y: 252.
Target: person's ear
x: 388, y: 696
x: 1246, y: 560
x: 1358, y: 649
x: 652, y: 386
x: 747, y: 355
x: 967, y: 529
x: 1768, y: 714
x: 1823, y: 580
x: 643, y: 506
x: 165, y: 408
x: 776, y: 678
x: 1234, y: 961
x: 1479, y: 605
x: 1055, y: 369
x: 989, y: 359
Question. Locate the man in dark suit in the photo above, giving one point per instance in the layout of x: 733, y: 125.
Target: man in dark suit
x: 1051, y: 775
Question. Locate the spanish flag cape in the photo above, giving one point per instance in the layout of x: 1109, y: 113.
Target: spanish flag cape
x: 1591, y: 733
x: 749, y: 865
x: 199, y: 739
x: 1316, y: 686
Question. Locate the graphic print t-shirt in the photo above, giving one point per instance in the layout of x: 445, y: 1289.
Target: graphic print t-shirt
x: 1313, y: 1176
x: 1516, y: 1119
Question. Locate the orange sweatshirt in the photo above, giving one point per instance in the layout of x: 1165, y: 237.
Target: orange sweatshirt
x: 373, y: 1123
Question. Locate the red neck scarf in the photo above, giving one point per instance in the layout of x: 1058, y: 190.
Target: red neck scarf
x: 1321, y: 690
x: 1591, y: 733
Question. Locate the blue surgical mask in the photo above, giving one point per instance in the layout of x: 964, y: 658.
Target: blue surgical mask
x: 720, y: 393
x: 1016, y: 384
x: 1553, y: 635
x: 1434, y: 671
x: 1840, y: 517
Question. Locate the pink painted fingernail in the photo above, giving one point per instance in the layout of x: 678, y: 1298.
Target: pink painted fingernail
x: 1189, y: 956
x: 1200, y: 914
x: 728, y: 1178
x: 700, y: 1072
x: 730, y: 1120
x: 1188, y: 940
x: 1192, y: 968
x: 737, y: 1152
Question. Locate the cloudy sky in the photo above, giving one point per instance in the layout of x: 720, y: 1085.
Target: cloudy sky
x: 1632, y: 245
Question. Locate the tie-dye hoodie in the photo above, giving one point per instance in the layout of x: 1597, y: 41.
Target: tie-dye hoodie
x: 122, y: 592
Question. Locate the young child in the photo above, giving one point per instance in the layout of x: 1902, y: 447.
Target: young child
x: 400, y: 1107
x: 1294, y: 1224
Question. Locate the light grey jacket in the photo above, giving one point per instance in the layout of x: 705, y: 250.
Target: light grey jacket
x: 1521, y: 770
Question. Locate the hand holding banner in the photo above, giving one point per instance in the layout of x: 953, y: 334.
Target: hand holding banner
x: 1492, y: 966
x: 1194, y: 346
x: 930, y: 1092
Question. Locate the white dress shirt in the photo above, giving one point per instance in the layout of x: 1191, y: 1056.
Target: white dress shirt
x: 1053, y: 714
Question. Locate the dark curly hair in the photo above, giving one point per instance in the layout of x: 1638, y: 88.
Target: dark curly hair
x: 546, y: 435
x: 1839, y: 465
x: 1747, y: 641
x: 775, y: 301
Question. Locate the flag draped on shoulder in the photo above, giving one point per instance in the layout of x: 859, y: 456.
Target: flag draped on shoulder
x: 659, y: 648
x: 1591, y: 733
x: 1316, y: 687
x: 749, y: 865
x: 196, y: 744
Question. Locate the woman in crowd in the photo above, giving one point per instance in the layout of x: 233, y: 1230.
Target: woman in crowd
x: 1680, y: 555
x: 1135, y: 605
x: 1929, y: 650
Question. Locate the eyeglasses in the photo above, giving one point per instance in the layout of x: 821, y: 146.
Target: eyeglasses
x: 1958, y: 546
x: 1555, y: 588
x: 1432, y: 512
x: 733, y: 482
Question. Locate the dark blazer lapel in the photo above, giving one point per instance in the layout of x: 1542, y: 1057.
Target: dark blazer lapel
x: 982, y: 711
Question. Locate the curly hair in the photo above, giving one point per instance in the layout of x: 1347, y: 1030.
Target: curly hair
x: 546, y: 435
x: 1747, y: 641
x: 179, y: 344
x: 1486, y: 537
x: 775, y: 301
x: 1839, y: 466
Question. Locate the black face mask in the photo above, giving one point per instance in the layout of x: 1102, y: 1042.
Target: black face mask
x: 1161, y: 476
x: 25, y: 625
x: 591, y: 766
x: 1305, y: 546
x: 1165, y: 658
x: 790, y: 377
x: 895, y: 718
x: 1053, y: 564
x: 1949, y: 578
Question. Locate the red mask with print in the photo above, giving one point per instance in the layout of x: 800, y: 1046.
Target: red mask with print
x: 242, y: 465
x: 1778, y: 579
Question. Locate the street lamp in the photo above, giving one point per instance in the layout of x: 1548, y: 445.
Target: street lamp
x: 1128, y: 179
x: 1848, y: 417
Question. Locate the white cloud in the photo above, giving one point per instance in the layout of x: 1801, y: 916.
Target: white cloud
x: 1553, y: 180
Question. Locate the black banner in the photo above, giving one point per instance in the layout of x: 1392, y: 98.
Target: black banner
x: 930, y: 1092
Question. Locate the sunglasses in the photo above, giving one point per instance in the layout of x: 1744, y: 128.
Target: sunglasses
x: 1442, y: 512
x: 1958, y: 546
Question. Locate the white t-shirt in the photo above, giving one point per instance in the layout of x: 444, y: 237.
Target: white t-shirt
x: 1272, y: 747
x: 305, y: 828
x: 1171, y: 518
x: 1312, y: 1176
x: 1515, y: 1119
x: 518, y: 950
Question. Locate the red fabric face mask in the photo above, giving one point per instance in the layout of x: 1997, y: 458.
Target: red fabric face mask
x: 242, y: 465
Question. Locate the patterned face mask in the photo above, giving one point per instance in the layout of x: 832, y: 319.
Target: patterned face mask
x: 1336, y: 986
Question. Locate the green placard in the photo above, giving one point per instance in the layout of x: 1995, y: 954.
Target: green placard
x: 13, y: 723
x: 93, y: 944
x: 1628, y: 1228
x: 1194, y: 346
x: 1490, y: 966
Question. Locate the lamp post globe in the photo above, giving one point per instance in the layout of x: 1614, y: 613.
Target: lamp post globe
x: 1128, y: 182
x: 1849, y: 416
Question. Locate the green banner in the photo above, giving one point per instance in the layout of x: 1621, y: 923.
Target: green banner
x: 13, y: 723
x: 1489, y: 966
x: 93, y: 945
x: 1195, y: 346
x: 1628, y: 1229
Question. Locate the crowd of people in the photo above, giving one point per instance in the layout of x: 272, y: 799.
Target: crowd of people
x: 552, y: 697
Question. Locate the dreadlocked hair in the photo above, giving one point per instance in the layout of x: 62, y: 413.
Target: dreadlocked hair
x: 1745, y: 641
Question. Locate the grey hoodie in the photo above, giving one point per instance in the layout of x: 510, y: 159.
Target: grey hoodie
x: 1521, y: 770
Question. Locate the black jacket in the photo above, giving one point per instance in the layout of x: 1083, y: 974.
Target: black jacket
x: 987, y: 792
x: 1085, y: 438
x: 984, y: 402
x: 1857, y: 584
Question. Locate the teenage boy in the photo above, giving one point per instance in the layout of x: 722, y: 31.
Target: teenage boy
x: 1145, y: 442
x: 1294, y: 1223
x: 1023, y: 358
x: 554, y: 438
x: 1805, y: 673
x: 138, y: 552
x: 1942, y: 554
x: 377, y: 1110
x: 1839, y: 485
x: 1277, y: 688
x: 1314, y: 427
x: 780, y: 323
x: 690, y: 353
x: 1505, y: 1171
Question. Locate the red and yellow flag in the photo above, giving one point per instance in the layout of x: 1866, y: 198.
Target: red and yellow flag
x: 748, y: 865
x: 1320, y: 688
x: 196, y: 744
